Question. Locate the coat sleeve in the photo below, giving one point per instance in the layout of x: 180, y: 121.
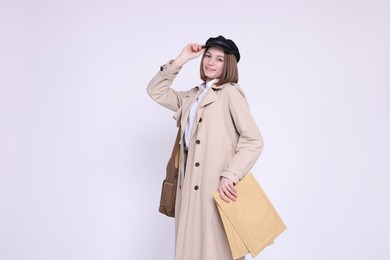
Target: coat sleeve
x: 250, y: 142
x: 159, y: 88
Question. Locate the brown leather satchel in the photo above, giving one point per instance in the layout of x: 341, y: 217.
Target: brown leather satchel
x: 169, y: 185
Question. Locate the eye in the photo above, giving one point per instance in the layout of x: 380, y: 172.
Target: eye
x: 220, y: 60
x: 208, y: 56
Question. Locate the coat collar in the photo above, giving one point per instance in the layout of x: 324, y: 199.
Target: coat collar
x: 215, y: 87
x: 209, y: 98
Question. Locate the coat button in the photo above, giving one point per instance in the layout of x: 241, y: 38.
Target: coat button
x: 179, y: 186
x: 161, y: 68
x: 197, y: 164
x: 196, y: 187
x: 197, y: 141
x: 200, y: 120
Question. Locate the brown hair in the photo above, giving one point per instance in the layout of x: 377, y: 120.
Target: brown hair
x: 229, y: 71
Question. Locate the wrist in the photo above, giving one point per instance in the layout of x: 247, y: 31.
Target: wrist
x: 179, y: 61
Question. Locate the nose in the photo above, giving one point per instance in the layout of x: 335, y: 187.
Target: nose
x: 210, y: 62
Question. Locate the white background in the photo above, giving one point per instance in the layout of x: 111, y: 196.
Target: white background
x: 83, y: 148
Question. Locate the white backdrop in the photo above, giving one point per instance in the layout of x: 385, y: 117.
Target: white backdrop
x: 83, y: 148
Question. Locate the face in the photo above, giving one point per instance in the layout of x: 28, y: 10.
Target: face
x: 213, y: 63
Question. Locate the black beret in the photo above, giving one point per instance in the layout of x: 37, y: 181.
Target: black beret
x: 226, y: 44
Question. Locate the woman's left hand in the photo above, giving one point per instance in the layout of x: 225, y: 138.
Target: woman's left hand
x: 226, y: 190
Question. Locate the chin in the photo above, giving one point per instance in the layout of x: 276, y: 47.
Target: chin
x: 210, y: 77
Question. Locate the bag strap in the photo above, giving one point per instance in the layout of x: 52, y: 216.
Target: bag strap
x: 175, y: 151
x: 176, y: 146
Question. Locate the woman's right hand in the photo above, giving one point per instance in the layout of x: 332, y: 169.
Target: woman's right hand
x: 190, y: 51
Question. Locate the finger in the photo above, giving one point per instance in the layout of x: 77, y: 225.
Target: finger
x: 197, y: 47
x: 194, y: 47
x: 229, y: 194
x: 230, y: 187
x: 223, y: 196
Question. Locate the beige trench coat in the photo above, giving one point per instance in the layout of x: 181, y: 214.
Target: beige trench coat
x: 225, y: 142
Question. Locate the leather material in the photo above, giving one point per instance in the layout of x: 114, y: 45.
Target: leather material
x: 169, y: 185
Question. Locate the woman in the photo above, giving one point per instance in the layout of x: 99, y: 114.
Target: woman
x: 220, y: 142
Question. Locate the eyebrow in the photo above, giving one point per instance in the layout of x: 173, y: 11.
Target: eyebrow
x: 220, y: 56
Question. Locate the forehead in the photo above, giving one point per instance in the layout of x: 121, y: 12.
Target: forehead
x: 216, y: 51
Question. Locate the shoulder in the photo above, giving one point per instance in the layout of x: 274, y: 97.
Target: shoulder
x: 233, y: 90
x: 190, y: 92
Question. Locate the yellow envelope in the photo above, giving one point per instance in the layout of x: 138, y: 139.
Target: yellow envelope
x: 251, y: 222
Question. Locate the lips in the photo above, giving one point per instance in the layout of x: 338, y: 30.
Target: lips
x: 211, y: 70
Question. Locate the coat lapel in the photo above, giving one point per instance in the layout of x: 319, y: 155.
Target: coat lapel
x: 186, y: 108
x: 181, y: 115
x: 210, y: 97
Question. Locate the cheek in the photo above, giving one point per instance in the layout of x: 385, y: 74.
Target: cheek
x: 205, y: 61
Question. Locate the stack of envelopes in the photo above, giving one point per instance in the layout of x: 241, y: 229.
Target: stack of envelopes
x: 251, y: 222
